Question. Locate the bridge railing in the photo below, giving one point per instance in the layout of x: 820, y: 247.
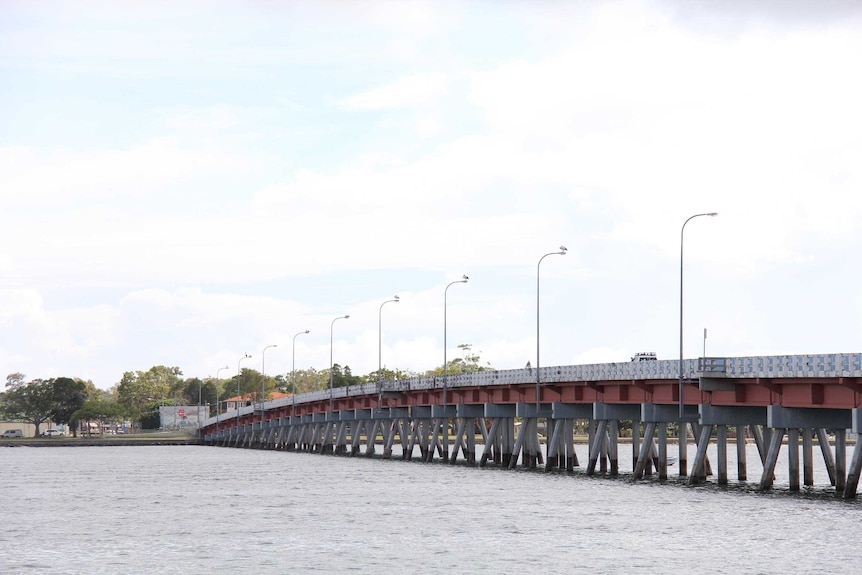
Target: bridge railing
x: 779, y: 366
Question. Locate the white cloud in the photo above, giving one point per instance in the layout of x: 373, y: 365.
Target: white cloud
x: 599, y: 126
x: 406, y: 92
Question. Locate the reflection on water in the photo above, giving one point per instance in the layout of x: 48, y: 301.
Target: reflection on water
x: 216, y: 510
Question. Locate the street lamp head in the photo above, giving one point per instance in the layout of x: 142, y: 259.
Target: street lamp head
x: 466, y: 279
x: 712, y: 214
x: 346, y: 316
x: 396, y: 299
x: 306, y: 331
x: 563, y: 250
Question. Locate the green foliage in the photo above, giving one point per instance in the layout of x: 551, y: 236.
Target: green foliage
x: 247, y: 383
x: 387, y: 375
x: 69, y: 396
x: 99, y: 410
x: 138, y: 394
x: 30, y: 402
x: 137, y: 389
x: 342, y: 377
x: 467, y: 364
x: 14, y: 380
x: 307, y: 380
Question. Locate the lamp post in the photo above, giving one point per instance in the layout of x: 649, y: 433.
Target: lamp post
x: 681, y: 383
x: 218, y: 402
x: 263, y: 383
x: 464, y: 279
x: 293, y: 369
x: 238, y: 381
x: 200, y: 385
x: 331, y: 326
x: 562, y: 252
x: 395, y: 299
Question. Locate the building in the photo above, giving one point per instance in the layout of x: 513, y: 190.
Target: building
x: 232, y: 403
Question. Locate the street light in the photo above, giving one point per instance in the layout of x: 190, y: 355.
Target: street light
x: 464, y: 279
x: 238, y: 381
x: 395, y: 299
x: 331, y: 325
x: 681, y: 384
x: 562, y: 252
x: 293, y: 369
x: 263, y: 383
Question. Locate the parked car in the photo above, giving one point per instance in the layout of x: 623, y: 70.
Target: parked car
x: 12, y: 433
x: 53, y: 433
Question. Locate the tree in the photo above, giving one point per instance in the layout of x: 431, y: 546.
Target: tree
x: 307, y: 380
x: 14, y: 380
x: 468, y: 364
x: 32, y: 402
x: 342, y: 377
x: 387, y: 375
x: 249, y: 385
x: 137, y: 389
x: 100, y: 410
x: 69, y: 396
x: 195, y: 389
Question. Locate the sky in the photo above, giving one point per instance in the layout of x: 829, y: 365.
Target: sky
x: 185, y: 182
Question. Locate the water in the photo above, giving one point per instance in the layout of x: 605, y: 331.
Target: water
x: 196, y: 509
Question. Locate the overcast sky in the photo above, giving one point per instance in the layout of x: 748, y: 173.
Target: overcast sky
x: 184, y: 182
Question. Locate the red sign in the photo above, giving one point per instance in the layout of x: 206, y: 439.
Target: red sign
x: 182, y: 412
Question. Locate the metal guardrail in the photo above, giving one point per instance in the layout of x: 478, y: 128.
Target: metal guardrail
x: 712, y: 365
x: 778, y: 366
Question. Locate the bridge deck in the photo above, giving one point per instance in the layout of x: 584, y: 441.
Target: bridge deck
x: 796, y: 396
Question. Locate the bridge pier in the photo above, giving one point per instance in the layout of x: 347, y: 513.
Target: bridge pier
x: 788, y: 422
x: 605, y: 441
x: 734, y: 385
x: 855, y: 468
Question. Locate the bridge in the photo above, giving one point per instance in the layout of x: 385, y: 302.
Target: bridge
x: 531, y: 416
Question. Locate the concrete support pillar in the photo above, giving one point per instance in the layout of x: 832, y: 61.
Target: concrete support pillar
x: 698, y: 470
x: 571, y: 456
x: 768, y: 477
x: 644, y: 454
x: 826, y: 450
x: 741, y: 462
x: 489, y: 441
x: 854, y: 472
x: 662, y: 451
x: 471, y: 439
x: 603, y: 450
x: 613, y: 447
x: 793, y: 458
x: 682, y: 461
x: 840, y: 459
x: 808, y: 457
x: 721, y: 444
x: 596, y: 445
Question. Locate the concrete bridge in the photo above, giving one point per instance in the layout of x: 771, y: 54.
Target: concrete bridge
x: 530, y: 416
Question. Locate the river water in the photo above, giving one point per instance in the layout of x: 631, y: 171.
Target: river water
x: 171, y: 509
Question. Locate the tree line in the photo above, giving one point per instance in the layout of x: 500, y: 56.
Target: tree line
x: 139, y: 394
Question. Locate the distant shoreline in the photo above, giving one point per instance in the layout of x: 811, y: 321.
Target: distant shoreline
x: 158, y: 438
